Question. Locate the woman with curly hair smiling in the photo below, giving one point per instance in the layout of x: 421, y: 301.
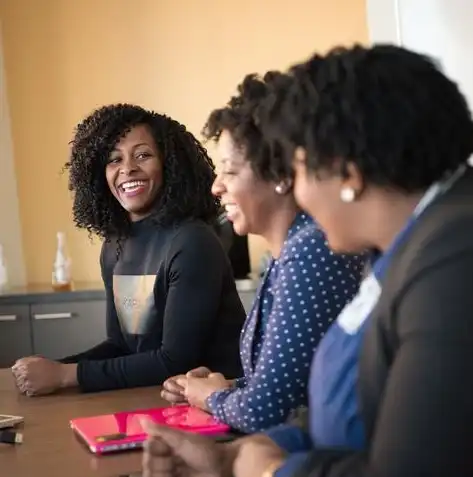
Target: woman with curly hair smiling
x: 302, y: 292
x: 142, y: 183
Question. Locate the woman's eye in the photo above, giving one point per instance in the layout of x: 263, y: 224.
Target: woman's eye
x: 143, y: 155
x: 113, y: 160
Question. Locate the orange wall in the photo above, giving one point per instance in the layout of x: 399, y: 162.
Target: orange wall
x: 65, y: 57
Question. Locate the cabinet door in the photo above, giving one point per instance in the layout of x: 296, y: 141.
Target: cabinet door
x: 15, y: 334
x: 247, y: 298
x: 63, y: 329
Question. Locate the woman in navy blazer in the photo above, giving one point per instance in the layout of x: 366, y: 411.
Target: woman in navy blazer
x: 303, y: 290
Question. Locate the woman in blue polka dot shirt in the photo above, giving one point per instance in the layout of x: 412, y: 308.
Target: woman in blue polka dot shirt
x: 303, y: 290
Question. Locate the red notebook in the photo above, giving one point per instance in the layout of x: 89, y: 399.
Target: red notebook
x: 122, y: 430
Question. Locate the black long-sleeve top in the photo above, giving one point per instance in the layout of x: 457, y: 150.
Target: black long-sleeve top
x: 172, y: 305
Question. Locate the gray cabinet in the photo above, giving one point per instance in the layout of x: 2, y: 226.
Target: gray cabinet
x: 66, y: 328
x: 247, y: 291
x: 15, y: 333
x: 247, y: 298
x: 38, y: 320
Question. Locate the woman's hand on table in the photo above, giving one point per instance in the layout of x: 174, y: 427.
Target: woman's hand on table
x: 35, y: 375
x: 168, y: 452
x: 197, y: 389
x: 174, y: 392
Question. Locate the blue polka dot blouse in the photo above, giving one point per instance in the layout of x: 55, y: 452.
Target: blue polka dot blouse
x: 302, y: 292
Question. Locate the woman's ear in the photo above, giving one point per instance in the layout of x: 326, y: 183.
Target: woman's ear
x: 300, y: 155
x: 284, y: 187
x: 353, y: 179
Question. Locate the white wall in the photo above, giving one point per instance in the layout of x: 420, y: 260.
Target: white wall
x: 383, y: 21
x: 440, y: 28
x: 10, y: 228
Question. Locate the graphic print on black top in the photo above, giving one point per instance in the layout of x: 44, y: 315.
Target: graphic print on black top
x: 172, y: 305
x: 134, y: 302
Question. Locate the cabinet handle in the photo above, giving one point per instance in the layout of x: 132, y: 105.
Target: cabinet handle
x: 52, y: 316
x: 7, y: 317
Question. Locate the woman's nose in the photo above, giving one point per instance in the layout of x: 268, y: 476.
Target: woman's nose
x: 218, y: 187
x: 128, y: 165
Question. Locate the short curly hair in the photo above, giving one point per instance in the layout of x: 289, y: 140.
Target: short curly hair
x: 388, y: 110
x: 188, y: 172
x: 240, y: 117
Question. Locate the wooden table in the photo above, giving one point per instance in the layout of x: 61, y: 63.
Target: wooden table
x: 50, y: 448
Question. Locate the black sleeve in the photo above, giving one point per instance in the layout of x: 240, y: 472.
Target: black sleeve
x: 113, y: 346
x: 104, y: 350
x: 197, y: 265
x: 425, y: 422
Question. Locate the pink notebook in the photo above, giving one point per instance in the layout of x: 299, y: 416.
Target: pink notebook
x: 123, y: 431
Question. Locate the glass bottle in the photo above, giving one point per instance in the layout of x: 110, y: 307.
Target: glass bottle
x: 62, y: 266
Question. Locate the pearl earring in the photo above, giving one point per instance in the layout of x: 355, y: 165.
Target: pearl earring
x: 279, y: 189
x: 347, y: 194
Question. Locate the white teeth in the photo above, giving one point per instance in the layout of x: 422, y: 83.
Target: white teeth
x: 131, y: 185
x: 230, y: 208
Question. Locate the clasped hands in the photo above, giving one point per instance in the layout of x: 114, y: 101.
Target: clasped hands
x: 194, y: 387
x: 169, y: 453
x: 35, y: 375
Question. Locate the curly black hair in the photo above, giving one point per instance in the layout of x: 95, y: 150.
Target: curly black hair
x: 240, y: 117
x: 386, y: 109
x: 188, y: 172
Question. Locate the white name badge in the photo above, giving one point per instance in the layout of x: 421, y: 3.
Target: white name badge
x: 357, y: 311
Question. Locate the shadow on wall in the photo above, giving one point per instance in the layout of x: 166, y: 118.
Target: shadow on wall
x: 10, y: 232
